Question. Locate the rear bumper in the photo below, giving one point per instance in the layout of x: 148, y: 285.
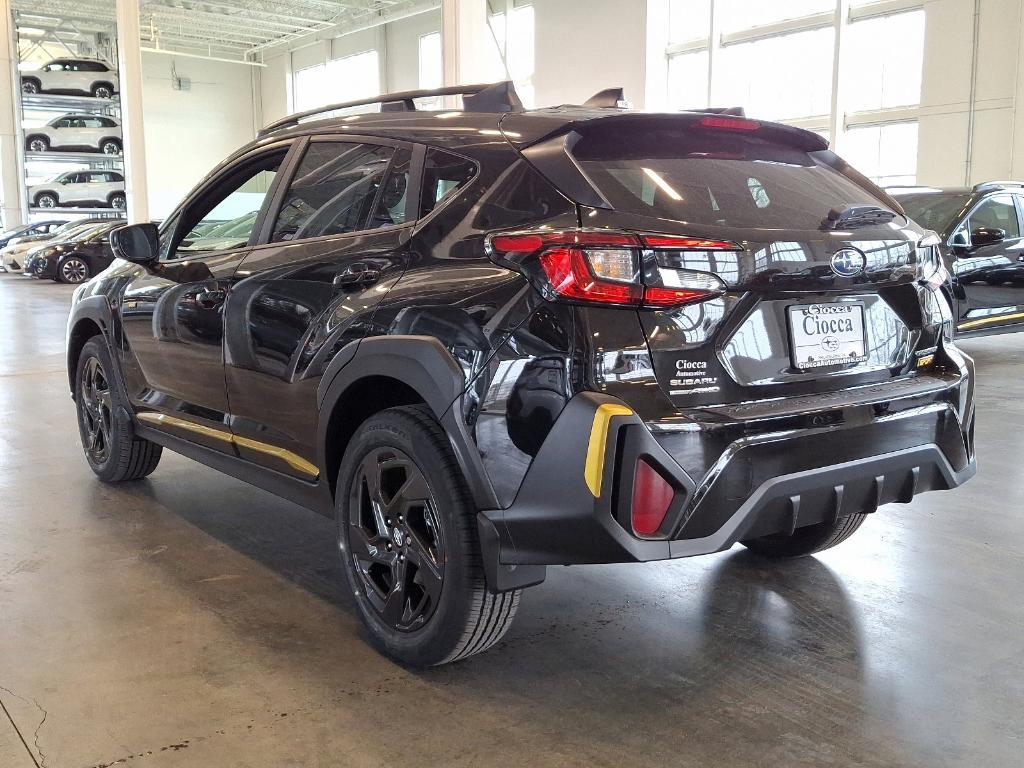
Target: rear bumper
x: 771, y: 473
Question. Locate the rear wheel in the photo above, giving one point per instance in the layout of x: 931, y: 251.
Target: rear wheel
x: 73, y: 269
x: 112, y: 451
x: 38, y: 144
x: 110, y: 147
x: 118, y: 201
x: 102, y: 91
x: 407, y: 535
x: 807, y: 540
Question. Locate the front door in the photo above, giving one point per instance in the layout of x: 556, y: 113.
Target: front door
x: 991, y: 273
x: 173, y: 311
x: 330, y: 255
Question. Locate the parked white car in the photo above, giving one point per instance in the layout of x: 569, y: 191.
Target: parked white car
x: 80, y: 189
x: 88, y: 77
x: 81, y: 132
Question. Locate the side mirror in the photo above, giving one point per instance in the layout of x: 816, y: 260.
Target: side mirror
x: 986, y: 236
x: 139, y: 243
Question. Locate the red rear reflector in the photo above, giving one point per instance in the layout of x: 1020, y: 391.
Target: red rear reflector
x: 652, y: 496
x: 517, y: 243
x: 670, y: 297
x: 729, y: 124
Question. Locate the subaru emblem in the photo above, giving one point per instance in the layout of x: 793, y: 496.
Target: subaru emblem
x: 848, y: 262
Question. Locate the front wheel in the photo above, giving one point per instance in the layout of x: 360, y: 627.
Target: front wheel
x: 808, y: 539
x: 408, y: 540
x: 112, y: 450
x: 29, y: 86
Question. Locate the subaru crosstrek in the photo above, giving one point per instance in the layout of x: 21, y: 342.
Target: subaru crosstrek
x: 490, y: 340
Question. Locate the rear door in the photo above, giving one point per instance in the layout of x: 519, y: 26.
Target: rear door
x: 328, y: 256
x: 991, y: 275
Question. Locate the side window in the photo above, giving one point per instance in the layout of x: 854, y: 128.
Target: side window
x: 64, y: 122
x: 392, y: 202
x: 333, y: 191
x: 92, y: 122
x: 997, y: 212
x: 223, y: 218
x: 443, y: 173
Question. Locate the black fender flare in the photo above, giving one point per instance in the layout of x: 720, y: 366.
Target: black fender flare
x: 97, y: 309
x: 425, y: 365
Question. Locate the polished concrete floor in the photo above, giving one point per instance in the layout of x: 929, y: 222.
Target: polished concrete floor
x: 190, y: 620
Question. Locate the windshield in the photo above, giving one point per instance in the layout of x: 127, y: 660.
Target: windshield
x: 718, y: 178
x: 934, y: 210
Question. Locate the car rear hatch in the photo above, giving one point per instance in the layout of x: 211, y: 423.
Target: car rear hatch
x: 816, y: 270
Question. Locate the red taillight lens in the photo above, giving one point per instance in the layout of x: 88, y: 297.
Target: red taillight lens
x: 610, y: 267
x: 570, y: 275
x: 652, y: 496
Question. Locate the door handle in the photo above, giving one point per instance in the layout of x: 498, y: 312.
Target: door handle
x: 210, y: 299
x: 356, y: 276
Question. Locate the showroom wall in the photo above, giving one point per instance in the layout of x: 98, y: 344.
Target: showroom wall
x: 998, y: 144
x: 190, y: 131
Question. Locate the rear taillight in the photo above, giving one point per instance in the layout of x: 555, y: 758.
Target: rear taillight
x: 640, y: 270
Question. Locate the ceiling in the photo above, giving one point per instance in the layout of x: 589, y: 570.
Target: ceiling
x: 236, y: 29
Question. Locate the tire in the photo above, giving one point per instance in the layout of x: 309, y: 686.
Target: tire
x: 110, y: 147
x: 103, y: 91
x: 47, y: 200
x: 443, y: 612
x: 73, y: 270
x: 37, y: 144
x: 30, y: 86
x: 113, y: 452
x: 118, y: 201
x: 807, y: 540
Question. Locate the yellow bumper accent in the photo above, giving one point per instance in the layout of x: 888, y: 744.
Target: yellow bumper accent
x: 293, y: 460
x: 593, y: 470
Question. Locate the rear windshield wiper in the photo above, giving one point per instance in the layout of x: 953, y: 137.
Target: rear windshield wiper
x: 852, y: 216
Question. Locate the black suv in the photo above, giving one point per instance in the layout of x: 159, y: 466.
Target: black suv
x: 490, y: 340
x: 982, y: 248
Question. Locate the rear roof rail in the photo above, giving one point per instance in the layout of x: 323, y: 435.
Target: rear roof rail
x: 996, y: 185
x: 480, y: 97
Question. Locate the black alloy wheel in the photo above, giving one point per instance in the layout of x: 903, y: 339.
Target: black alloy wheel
x: 103, y: 92
x: 395, y: 539
x: 96, y: 412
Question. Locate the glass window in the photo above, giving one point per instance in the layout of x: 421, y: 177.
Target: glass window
x: 223, y: 219
x: 689, y: 20
x: 743, y: 14
x: 688, y: 80
x: 352, y: 77
x: 715, y: 178
x: 887, y: 154
x: 778, y: 77
x: 519, y: 50
x: 309, y: 87
x: 391, y: 205
x: 443, y: 173
x: 997, y: 212
x: 431, y: 68
x: 934, y: 210
x: 333, y: 190
x: 889, y: 57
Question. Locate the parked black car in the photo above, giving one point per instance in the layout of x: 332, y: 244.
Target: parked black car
x: 982, y: 248
x: 74, y: 259
x: 491, y: 340
x: 30, y: 230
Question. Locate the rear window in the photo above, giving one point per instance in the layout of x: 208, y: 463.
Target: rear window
x: 717, y: 178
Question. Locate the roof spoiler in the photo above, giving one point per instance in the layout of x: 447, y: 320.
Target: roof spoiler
x: 609, y: 98
x: 480, y: 97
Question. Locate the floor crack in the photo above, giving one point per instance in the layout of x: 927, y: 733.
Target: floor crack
x: 35, y: 735
x: 3, y: 707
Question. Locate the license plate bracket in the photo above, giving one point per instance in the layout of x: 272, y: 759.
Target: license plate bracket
x: 826, y: 335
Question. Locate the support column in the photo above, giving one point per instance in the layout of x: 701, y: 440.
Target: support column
x: 463, y: 36
x: 841, y: 63
x: 12, y: 178
x: 129, y: 57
